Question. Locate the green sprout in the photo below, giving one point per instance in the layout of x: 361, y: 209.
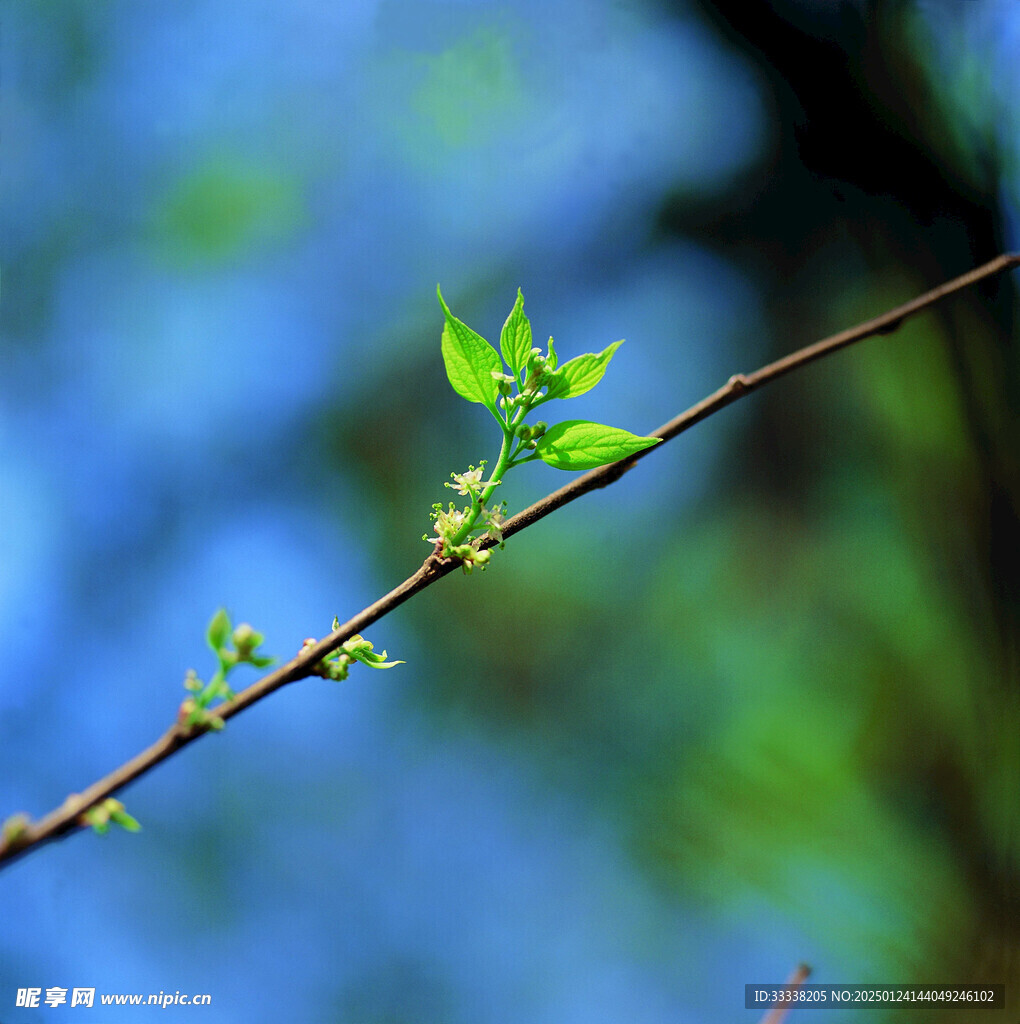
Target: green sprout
x: 14, y: 829
x: 110, y: 810
x: 337, y: 663
x: 195, y: 710
x: 476, y: 372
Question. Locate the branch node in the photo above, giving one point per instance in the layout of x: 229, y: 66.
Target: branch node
x: 14, y: 832
x: 74, y: 805
x: 889, y: 328
x: 739, y: 382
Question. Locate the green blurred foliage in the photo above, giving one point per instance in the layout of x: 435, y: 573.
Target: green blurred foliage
x: 467, y: 89
x: 226, y: 208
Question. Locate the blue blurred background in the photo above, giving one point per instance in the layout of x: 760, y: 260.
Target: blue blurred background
x: 756, y: 704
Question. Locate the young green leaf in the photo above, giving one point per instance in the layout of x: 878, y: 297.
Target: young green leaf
x: 515, y: 338
x: 582, y: 373
x: 126, y: 821
x: 581, y: 444
x: 373, y: 660
x: 552, y: 354
x: 470, y: 360
x: 219, y: 629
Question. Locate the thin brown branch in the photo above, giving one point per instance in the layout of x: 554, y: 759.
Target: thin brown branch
x: 27, y: 835
x: 742, y: 384
x: 778, y: 1013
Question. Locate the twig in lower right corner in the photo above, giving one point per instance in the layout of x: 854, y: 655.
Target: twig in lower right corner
x: 778, y: 1013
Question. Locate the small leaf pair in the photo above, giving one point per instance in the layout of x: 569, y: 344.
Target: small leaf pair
x: 110, y: 810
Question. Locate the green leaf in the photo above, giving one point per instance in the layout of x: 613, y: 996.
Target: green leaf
x: 581, y: 444
x: 552, y: 354
x: 582, y: 373
x: 126, y: 821
x: 470, y: 360
x: 218, y: 631
x: 515, y: 338
x: 373, y: 660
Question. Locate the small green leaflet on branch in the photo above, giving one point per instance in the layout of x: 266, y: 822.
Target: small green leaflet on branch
x: 580, y: 374
x: 515, y: 338
x: 337, y: 663
x: 110, y: 810
x: 476, y: 372
x: 195, y: 710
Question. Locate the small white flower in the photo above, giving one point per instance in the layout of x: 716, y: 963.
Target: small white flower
x: 468, y: 482
x: 495, y: 519
x: 448, y: 524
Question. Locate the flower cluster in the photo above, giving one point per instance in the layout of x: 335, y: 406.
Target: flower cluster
x: 481, y: 374
x: 455, y: 526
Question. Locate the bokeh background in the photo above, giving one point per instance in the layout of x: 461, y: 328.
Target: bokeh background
x: 756, y: 704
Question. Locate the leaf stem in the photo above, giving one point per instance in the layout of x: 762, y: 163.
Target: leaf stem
x: 506, y: 461
x: 478, y: 503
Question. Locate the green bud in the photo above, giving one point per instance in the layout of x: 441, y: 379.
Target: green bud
x: 503, y: 382
x: 185, y: 711
x: 122, y: 818
x: 14, y: 828
x: 218, y: 630
x: 246, y: 639
x: 98, y: 817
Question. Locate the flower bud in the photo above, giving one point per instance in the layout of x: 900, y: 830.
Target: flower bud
x: 244, y: 636
x: 185, y: 711
x: 15, y: 827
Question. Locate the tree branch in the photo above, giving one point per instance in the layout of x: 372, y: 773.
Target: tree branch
x: 778, y: 1013
x: 22, y: 835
